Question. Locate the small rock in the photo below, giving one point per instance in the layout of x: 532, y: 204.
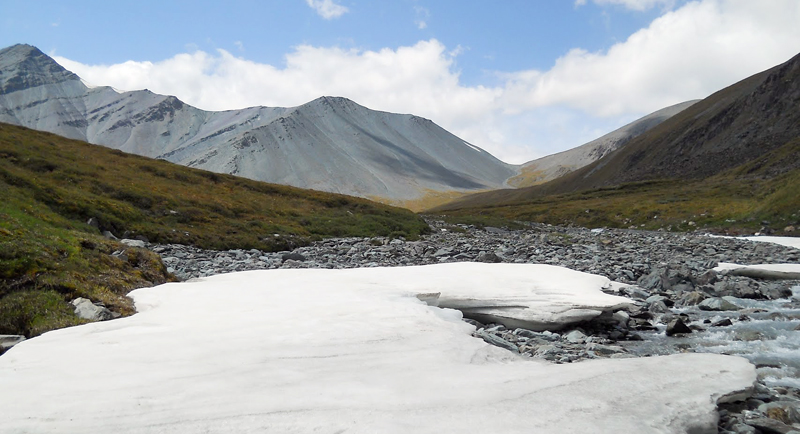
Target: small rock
x: 490, y: 258
x: 133, y: 243
x: 293, y: 256
x: 497, y: 341
x: 722, y: 323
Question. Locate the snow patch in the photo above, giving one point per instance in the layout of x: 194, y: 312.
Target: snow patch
x: 346, y: 350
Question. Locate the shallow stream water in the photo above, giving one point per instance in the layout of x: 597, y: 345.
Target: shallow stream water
x: 768, y: 337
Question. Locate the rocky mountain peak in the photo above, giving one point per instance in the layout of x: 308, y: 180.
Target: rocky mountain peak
x: 25, y: 66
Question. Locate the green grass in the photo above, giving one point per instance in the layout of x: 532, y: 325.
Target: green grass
x: 735, y: 201
x: 722, y: 204
x: 51, y: 186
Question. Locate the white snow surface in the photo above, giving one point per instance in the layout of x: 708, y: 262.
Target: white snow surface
x: 784, y: 241
x: 334, y: 351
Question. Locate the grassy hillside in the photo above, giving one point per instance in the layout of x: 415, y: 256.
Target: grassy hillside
x: 51, y: 186
x: 738, y: 200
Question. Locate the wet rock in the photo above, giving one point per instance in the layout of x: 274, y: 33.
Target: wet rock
x: 770, y: 426
x: 722, y: 323
x: 497, y: 341
x: 717, y: 304
x: 677, y: 326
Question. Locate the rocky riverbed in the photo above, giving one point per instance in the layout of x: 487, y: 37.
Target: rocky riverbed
x: 680, y: 303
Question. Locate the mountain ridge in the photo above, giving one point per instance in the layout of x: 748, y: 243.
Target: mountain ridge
x: 329, y: 144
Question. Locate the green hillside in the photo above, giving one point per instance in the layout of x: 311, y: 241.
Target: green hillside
x: 51, y: 186
x: 736, y: 201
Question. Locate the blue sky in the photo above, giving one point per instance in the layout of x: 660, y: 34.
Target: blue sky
x: 521, y: 79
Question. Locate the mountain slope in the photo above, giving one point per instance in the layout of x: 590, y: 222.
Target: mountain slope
x: 731, y: 156
x: 553, y: 166
x: 50, y: 187
x: 329, y: 144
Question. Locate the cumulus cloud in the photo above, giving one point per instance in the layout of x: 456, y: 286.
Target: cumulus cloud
x: 684, y: 54
x: 327, y: 9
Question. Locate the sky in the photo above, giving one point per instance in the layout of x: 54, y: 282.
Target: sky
x: 519, y: 78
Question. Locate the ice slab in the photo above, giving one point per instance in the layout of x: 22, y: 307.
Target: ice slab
x: 335, y: 351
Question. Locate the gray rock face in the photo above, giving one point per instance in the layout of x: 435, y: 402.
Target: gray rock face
x: 329, y: 144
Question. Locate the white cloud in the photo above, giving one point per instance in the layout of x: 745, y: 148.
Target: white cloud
x: 327, y: 9
x: 685, y: 54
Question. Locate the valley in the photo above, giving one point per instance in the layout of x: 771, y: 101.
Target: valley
x: 339, y: 257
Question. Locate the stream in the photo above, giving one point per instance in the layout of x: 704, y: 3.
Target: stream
x: 762, y: 331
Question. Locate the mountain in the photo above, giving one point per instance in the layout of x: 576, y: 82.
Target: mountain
x: 329, y: 144
x: 553, y: 166
x: 732, y: 159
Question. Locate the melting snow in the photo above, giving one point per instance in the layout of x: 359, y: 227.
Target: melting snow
x: 347, y: 350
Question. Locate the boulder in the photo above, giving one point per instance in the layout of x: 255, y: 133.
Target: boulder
x: 133, y: 243
x: 84, y: 308
x: 717, y: 304
x: 677, y: 326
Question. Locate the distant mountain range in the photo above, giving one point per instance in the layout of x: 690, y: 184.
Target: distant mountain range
x: 329, y: 144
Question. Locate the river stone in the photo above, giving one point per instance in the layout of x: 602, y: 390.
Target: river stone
x: 717, y: 304
x: 497, y: 341
x: 770, y: 426
x: 490, y: 258
x: 775, y: 291
x: 293, y: 256
x: 677, y: 326
x: 575, y: 337
x: 692, y: 299
x: 85, y: 309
